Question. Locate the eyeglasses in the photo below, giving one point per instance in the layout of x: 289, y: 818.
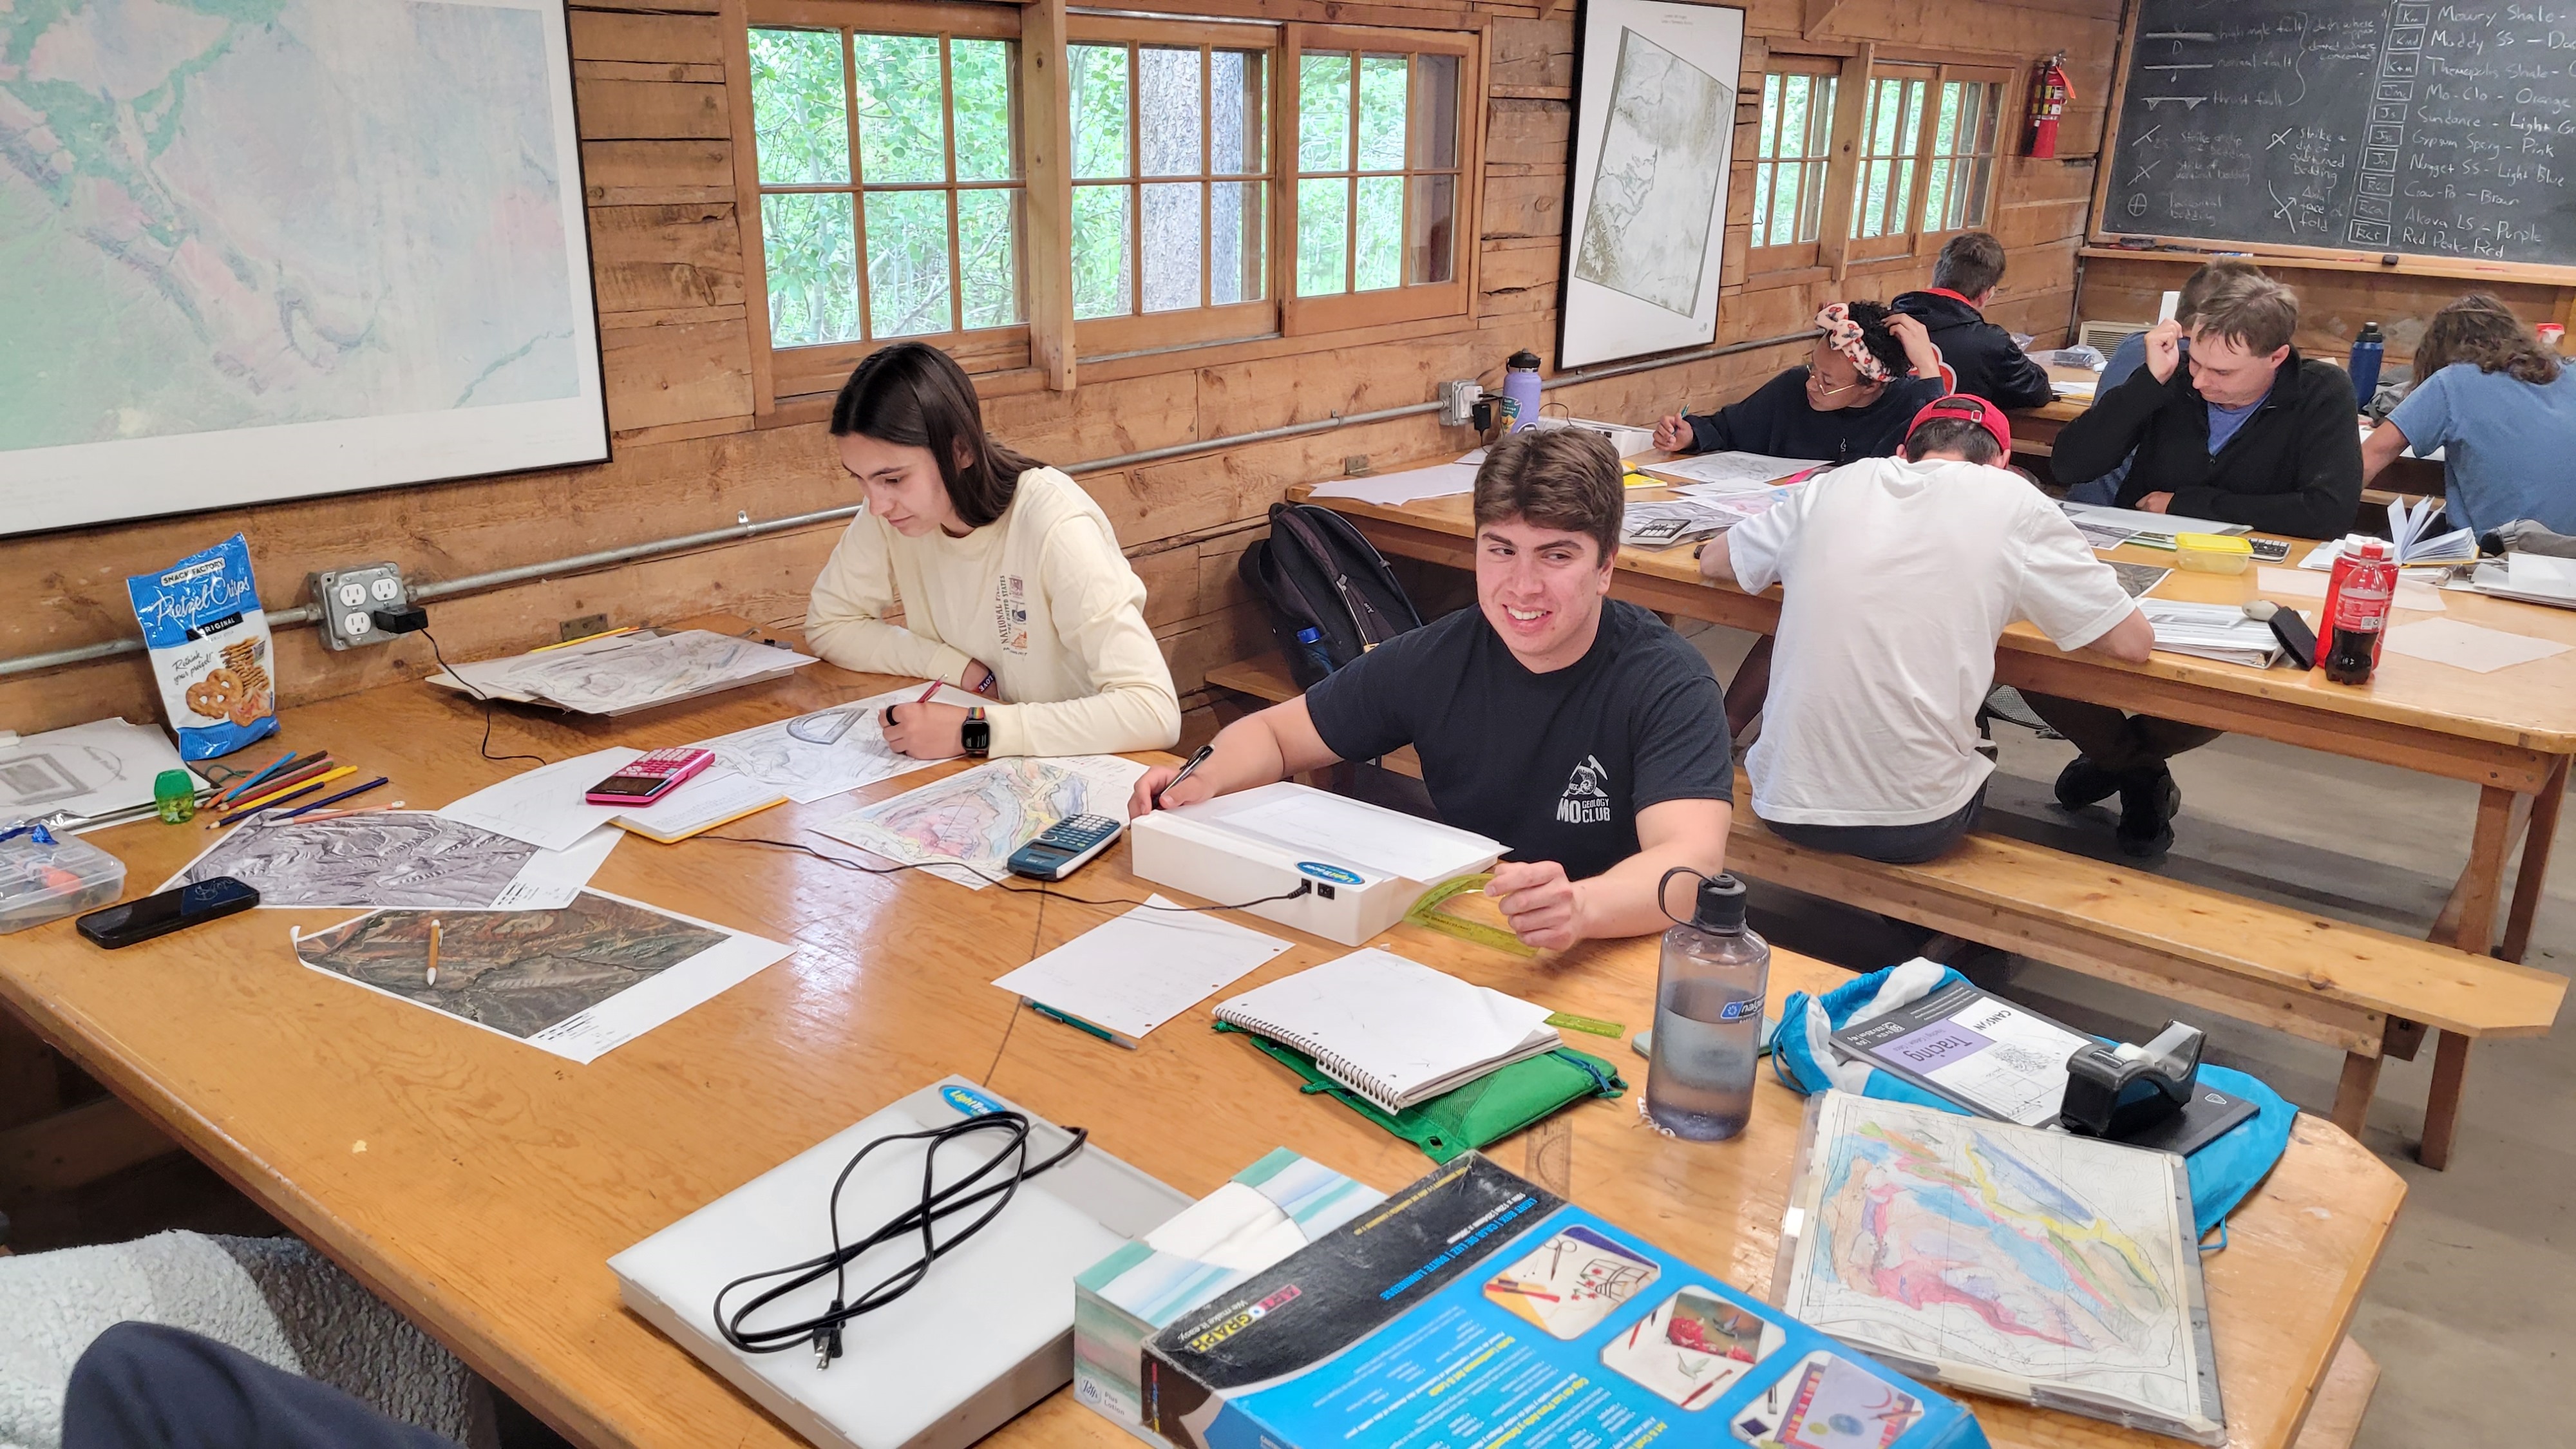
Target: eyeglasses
x: 1821, y: 391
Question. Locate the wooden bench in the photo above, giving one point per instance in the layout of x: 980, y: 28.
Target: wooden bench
x: 2369, y: 993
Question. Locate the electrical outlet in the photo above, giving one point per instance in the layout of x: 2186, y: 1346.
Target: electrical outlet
x: 581, y: 628
x: 1458, y: 402
x: 348, y: 598
x: 1355, y: 465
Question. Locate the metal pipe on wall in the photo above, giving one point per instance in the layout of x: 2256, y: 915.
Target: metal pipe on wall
x: 745, y: 527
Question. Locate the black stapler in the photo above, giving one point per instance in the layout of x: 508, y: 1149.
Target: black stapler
x: 2118, y: 1091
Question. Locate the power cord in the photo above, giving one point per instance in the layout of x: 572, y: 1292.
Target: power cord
x: 450, y: 671
x: 1043, y: 888
x: 823, y: 1331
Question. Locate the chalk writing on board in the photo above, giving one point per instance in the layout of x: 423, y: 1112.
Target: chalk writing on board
x: 2444, y: 130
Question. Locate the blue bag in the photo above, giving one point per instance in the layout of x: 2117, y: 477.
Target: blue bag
x: 2223, y: 1170
x: 208, y: 639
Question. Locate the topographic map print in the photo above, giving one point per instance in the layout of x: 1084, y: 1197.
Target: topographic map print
x: 262, y: 212
x: 637, y: 670
x: 1942, y: 1236
x: 1652, y: 215
x: 407, y: 858
x: 978, y: 817
x: 518, y: 972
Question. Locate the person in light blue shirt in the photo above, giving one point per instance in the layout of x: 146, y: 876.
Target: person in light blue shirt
x: 2131, y: 355
x: 2502, y: 409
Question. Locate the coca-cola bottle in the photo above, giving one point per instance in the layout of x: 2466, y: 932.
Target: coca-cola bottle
x: 2357, y: 604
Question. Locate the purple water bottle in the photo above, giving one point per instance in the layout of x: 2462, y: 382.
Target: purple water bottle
x: 1520, y: 390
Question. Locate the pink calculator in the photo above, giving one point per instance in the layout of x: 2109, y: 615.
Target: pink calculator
x: 645, y: 780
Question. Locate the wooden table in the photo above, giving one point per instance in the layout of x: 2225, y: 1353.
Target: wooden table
x: 2512, y: 732
x: 481, y: 1185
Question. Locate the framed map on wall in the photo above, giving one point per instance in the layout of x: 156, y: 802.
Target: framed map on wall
x: 1654, y: 138
x: 264, y: 251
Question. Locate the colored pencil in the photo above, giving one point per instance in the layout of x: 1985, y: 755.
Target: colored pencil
x: 586, y: 638
x: 307, y: 788
x: 335, y: 799
x: 245, y: 786
x: 361, y: 810
x: 307, y: 770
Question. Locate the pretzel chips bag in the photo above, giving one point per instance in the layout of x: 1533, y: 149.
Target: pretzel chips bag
x: 210, y: 649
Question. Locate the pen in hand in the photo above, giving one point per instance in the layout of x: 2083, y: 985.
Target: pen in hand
x: 1195, y: 760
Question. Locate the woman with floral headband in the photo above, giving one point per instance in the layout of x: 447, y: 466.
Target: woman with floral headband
x: 1871, y: 371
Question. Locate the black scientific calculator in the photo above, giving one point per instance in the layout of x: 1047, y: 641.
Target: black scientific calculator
x: 1065, y: 847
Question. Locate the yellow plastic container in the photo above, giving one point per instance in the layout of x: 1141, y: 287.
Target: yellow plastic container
x: 2212, y: 553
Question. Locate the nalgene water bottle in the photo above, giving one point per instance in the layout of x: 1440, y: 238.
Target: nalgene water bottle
x: 1708, y: 1016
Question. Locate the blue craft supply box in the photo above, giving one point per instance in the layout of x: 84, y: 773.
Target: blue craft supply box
x: 1476, y: 1308
x: 1269, y: 1210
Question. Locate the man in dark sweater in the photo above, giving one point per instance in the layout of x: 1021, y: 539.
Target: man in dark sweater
x: 2243, y: 430
x: 1952, y: 310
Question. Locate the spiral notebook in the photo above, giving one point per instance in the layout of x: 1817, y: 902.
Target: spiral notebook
x: 1395, y: 1032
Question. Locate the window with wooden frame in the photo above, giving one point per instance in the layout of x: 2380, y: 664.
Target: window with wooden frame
x: 1218, y: 181
x: 1927, y: 155
x: 1172, y: 181
x: 1385, y: 144
x: 891, y: 200
x: 1792, y: 152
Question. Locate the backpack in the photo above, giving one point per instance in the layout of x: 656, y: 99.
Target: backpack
x: 1316, y: 571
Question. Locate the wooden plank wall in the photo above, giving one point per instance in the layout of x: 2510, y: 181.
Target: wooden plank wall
x: 657, y: 154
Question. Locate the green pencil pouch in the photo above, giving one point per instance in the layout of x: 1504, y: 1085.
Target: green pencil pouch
x: 1486, y: 1110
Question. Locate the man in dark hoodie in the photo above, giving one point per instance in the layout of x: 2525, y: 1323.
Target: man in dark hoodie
x: 1964, y: 279
x: 2241, y: 429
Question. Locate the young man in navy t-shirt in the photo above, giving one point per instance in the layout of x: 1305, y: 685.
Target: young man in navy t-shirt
x: 1582, y: 733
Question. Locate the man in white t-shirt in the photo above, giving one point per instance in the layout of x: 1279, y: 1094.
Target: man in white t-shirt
x: 1899, y: 575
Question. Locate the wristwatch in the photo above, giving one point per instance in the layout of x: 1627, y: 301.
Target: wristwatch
x: 976, y: 734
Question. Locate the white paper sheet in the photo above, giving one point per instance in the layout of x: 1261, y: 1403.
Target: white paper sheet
x: 637, y: 967
x: 965, y: 827
x: 1440, y: 480
x: 1144, y: 968
x: 87, y: 770
x: 551, y: 878
x: 709, y: 800
x: 810, y: 770
x: 1346, y: 832
x: 543, y: 806
x: 397, y: 859
x: 1733, y: 472
x: 2466, y: 646
x: 2304, y: 584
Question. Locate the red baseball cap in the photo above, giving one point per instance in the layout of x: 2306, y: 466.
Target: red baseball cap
x: 1967, y: 409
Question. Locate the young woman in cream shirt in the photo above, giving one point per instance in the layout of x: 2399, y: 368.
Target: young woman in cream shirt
x: 1008, y: 577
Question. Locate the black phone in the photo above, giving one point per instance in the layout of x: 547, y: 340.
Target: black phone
x: 2297, y: 639
x: 172, y: 910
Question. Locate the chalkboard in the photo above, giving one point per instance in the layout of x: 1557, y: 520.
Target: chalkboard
x: 2439, y: 130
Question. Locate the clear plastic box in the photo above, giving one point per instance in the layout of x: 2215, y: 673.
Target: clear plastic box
x: 44, y: 877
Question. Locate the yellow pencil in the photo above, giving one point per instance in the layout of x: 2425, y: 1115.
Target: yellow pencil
x: 586, y: 638
x: 433, y: 953
x: 324, y: 778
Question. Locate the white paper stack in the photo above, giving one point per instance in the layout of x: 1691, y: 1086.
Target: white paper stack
x: 2531, y: 577
x: 1735, y: 472
x: 2211, y: 631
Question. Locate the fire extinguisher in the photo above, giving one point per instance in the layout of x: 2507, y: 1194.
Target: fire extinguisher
x: 2049, y: 94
